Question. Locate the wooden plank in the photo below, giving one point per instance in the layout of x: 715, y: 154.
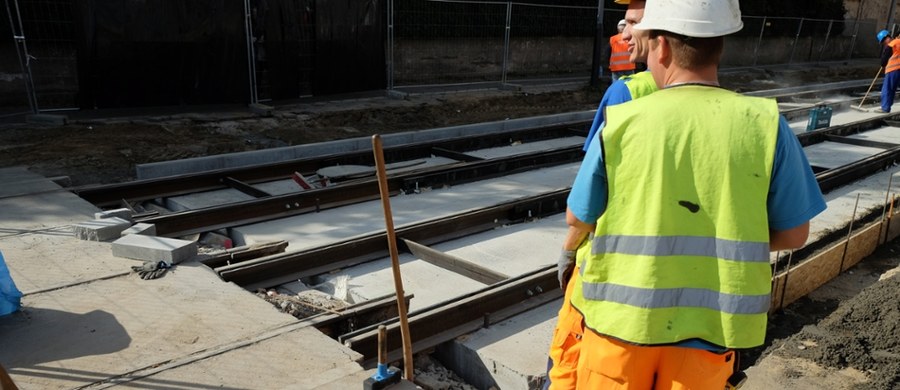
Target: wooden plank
x: 455, y: 264
x: 811, y: 274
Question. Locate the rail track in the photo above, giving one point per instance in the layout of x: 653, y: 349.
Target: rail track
x: 461, y: 161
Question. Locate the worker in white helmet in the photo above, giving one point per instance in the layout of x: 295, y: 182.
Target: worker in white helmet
x: 694, y: 186
x: 619, y: 62
x: 565, y: 345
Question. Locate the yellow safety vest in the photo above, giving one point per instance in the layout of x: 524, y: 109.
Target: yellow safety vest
x: 682, y: 250
x: 640, y: 84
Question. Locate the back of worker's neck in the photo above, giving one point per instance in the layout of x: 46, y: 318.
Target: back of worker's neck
x: 675, y: 76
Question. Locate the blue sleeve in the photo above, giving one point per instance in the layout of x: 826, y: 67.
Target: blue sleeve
x: 587, y: 200
x: 616, y: 93
x: 794, y: 194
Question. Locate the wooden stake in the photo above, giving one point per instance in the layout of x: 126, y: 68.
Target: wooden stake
x: 887, y: 195
x: 849, y: 232
x: 787, y: 272
x: 395, y: 257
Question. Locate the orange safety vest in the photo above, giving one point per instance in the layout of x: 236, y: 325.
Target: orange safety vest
x: 894, y: 63
x: 619, y: 56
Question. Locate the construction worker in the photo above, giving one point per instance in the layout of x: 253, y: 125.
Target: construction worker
x: 619, y: 62
x: 693, y: 188
x: 565, y: 345
x: 890, y: 62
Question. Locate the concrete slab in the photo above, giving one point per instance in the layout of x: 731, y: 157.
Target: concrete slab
x: 167, y: 168
x: 832, y: 154
x: 310, y: 230
x: 87, y: 320
x: 205, y: 199
x: 89, y: 332
x: 430, y: 284
x: 502, y: 250
x: 151, y: 248
x: 30, y: 202
x: 100, y: 229
x: 147, y: 229
x: 52, y: 260
x: 509, y: 355
x: 301, y: 359
x: 521, y: 148
x: 885, y: 134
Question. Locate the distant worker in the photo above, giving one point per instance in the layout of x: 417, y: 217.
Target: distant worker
x: 890, y: 62
x: 694, y: 186
x: 619, y: 63
x: 566, y: 341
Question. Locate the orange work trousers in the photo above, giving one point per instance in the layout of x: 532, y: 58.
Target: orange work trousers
x: 607, y: 363
x: 566, y: 345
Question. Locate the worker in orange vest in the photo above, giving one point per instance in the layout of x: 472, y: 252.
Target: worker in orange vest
x: 890, y: 61
x: 619, y: 62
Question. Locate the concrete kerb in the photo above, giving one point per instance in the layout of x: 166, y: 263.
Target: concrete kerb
x: 260, y: 157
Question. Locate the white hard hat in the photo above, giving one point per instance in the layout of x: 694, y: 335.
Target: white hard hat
x: 621, y: 23
x: 692, y: 18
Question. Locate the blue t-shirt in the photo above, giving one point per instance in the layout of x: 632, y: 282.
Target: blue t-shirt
x: 794, y: 195
x: 617, y: 93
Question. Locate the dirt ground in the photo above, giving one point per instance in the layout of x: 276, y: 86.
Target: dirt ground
x: 96, y: 147
x: 844, y: 336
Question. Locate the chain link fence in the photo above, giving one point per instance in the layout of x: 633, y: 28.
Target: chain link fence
x: 425, y: 42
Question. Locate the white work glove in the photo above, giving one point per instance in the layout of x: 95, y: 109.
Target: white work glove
x: 565, y: 267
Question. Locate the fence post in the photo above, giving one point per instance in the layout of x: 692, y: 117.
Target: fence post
x: 251, y: 55
x: 853, y: 41
x: 762, y: 29
x: 506, y: 42
x: 22, y: 54
x: 390, y: 44
x: 827, y: 35
x: 796, y: 39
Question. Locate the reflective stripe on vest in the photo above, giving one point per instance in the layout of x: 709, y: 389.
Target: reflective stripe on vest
x: 678, y: 297
x: 682, y: 246
x: 681, y: 251
x: 894, y: 63
x: 619, y: 57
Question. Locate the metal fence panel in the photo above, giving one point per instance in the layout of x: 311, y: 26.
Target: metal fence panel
x: 49, y: 31
x: 448, y: 42
x: 551, y: 41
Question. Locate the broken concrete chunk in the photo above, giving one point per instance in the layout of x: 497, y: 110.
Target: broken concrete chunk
x: 101, y: 229
x: 121, y: 213
x: 147, y: 229
x: 140, y: 247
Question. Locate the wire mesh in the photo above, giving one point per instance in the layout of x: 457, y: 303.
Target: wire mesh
x: 438, y: 42
x: 49, y: 29
x: 551, y: 41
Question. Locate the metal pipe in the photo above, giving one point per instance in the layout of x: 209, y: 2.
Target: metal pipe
x: 24, y: 57
x: 390, y: 44
x: 762, y: 29
x: 506, y: 42
x: 796, y: 39
x: 827, y: 35
x: 251, y: 53
x: 853, y: 41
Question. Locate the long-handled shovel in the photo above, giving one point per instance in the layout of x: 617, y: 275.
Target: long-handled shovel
x: 870, y: 90
x: 395, y: 258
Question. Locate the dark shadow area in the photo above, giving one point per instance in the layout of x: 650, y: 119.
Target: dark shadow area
x: 33, y: 336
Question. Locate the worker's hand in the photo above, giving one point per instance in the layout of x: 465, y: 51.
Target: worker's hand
x: 151, y: 269
x: 565, y: 267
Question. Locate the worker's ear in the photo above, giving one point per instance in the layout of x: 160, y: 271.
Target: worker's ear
x: 664, y: 56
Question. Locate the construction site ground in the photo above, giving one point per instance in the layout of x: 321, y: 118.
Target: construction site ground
x: 842, y: 336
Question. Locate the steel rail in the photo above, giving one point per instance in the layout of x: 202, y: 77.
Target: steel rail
x: 262, y: 209
x: 276, y: 269
x: 111, y: 195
